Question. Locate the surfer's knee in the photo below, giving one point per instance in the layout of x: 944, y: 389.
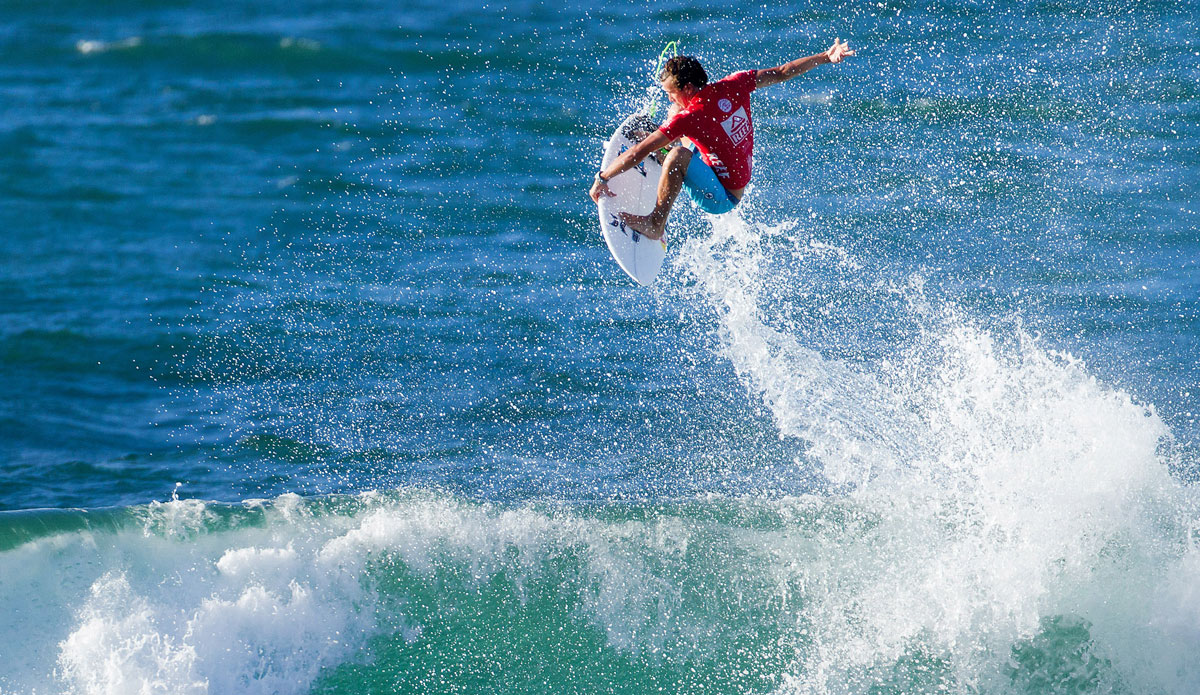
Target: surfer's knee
x: 677, y: 160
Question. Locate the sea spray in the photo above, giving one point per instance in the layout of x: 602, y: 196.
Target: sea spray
x: 1006, y: 498
x: 851, y: 422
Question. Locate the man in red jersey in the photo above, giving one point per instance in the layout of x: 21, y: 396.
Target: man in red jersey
x: 715, y: 121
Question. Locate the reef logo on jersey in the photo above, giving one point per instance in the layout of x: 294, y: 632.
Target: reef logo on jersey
x: 737, y: 126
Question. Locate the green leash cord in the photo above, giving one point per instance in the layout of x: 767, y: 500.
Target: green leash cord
x: 673, y: 49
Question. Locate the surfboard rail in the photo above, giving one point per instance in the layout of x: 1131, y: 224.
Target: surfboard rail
x: 636, y: 192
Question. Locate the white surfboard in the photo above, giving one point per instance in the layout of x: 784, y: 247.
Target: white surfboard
x: 636, y: 191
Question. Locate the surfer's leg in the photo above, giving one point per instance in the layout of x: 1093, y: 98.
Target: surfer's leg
x: 675, y: 168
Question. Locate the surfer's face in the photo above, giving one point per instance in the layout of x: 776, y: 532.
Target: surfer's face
x: 678, y: 97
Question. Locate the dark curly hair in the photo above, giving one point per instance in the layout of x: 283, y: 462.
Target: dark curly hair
x: 686, y: 70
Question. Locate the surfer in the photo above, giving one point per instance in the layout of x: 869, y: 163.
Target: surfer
x: 714, y: 120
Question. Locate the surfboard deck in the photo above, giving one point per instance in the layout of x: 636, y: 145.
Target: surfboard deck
x: 636, y: 191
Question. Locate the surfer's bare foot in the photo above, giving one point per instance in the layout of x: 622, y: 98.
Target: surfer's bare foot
x: 644, y: 225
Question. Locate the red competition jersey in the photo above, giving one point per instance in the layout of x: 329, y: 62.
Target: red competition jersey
x: 717, y: 119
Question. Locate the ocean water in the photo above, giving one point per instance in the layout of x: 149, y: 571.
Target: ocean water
x: 316, y: 377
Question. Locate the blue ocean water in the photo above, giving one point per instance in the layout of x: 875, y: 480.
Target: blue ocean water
x: 316, y: 377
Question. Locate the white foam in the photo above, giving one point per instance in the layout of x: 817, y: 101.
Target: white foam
x: 235, y: 611
x: 118, y: 647
x: 851, y: 422
x: 89, y: 46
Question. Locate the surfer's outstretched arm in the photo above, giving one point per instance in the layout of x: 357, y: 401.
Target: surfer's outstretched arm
x: 782, y: 73
x: 625, y: 162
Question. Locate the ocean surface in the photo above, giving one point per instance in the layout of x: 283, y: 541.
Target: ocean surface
x: 316, y: 376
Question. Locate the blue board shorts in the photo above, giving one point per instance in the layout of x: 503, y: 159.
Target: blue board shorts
x: 705, y: 188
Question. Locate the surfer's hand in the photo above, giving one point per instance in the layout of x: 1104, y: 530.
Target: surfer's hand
x: 840, y: 49
x: 600, y: 188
